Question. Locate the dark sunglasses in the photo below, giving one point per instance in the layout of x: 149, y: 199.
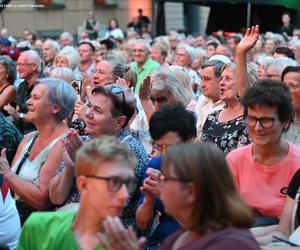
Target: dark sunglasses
x: 160, y: 99
x: 114, y: 183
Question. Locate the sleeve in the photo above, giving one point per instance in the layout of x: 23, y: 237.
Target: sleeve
x: 294, y: 185
x: 27, y: 238
x: 233, y: 169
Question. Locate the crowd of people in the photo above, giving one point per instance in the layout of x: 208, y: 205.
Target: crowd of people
x: 135, y: 142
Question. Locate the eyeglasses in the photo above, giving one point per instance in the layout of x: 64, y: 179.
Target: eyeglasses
x: 110, y: 89
x: 265, y: 122
x: 271, y: 76
x: 160, y: 99
x: 115, y: 183
x: 163, y: 179
x: 23, y: 64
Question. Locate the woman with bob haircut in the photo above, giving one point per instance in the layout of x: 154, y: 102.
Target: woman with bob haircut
x: 263, y: 169
x: 197, y: 189
x: 40, y: 152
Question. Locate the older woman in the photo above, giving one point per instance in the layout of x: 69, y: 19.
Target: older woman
x: 39, y: 153
x: 185, y: 56
x: 263, y: 169
x: 7, y: 78
x: 160, y: 88
x: 226, y: 127
x: 198, y: 191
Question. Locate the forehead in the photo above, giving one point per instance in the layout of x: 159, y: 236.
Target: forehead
x: 182, y: 51
x: 169, y: 138
x: 85, y: 47
x: 292, y: 77
x: 101, y: 100
x: 115, y: 168
x: 262, y: 110
x: 39, y: 89
x: 227, y: 71
x: 140, y: 46
x: 104, y: 65
x: 209, y: 71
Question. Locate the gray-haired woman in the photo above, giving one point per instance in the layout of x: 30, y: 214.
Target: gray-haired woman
x: 52, y: 101
x: 7, y: 77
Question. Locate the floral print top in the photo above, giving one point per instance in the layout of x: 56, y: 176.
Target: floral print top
x: 226, y: 135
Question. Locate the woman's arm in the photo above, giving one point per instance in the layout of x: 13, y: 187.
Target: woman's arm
x: 243, y: 47
x: 8, y: 95
x: 34, y: 195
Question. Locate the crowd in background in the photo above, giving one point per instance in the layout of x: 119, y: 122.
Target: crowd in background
x: 128, y: 138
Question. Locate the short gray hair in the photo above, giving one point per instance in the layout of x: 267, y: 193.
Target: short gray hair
x: 55, y: 45
x: 33, y: 57
x: 68, y: 35
x: 189, y: 50
x: 144, y: 42
x: 10, y: 68
x: 62, y: 94
x: 279, y: 64
x: 164, y: 79
x: 71, y: 54
x: 63, y: 73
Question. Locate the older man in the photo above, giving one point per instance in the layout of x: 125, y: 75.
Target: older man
x: 110, y: 109
x: 50, y: 50
x: 209, y: 101
x: 105, y: 180
x: 143, y: 65
x: 29, y: 68
x: 66, y: 39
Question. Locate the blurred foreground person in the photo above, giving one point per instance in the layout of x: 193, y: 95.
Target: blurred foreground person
x: 198, y: 191
x: 104, y: 168
x: 40, y: 152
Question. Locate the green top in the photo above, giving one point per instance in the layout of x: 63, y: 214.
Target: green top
x: 49, y: 231
x: 142, y: 72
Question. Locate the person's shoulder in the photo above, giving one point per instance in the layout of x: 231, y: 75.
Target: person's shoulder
x: 239, y: 152
x: 152, y: 64
x: 233, y: 238
x: 44, y: 217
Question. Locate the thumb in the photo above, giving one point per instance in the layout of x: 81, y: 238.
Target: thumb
x: 142, y: 241
x: 3, y: 153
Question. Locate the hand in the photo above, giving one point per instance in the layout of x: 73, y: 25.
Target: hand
x: 117, y: 237
x: 122, y: 82
x: 249, y: 40
x: 12, y: 111
x: 72, y: 143
x: 79, y: 109
x: 150, y: 186
x: 4, y: 165
x: 145, y: 89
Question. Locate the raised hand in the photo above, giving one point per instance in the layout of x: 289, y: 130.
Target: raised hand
x: 4, y: 165
x: 249, y: 40
x: 145, y: 89
x: 117, y: 237
x: 72, y: 143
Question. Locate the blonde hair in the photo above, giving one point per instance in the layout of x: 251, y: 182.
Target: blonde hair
x: 92, y: 153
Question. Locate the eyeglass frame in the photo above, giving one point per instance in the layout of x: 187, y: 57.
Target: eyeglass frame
x: 163, y: 179
x: 130, y: 183
x: 159, y: 99
x: 260, y: 120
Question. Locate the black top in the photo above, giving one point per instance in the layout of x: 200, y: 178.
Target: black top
x: 294, y: 185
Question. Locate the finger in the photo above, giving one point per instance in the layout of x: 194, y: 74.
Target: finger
x: 3, y: 153
x: 247, y: 32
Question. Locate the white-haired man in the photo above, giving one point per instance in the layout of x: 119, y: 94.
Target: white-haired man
x: 143, y: 65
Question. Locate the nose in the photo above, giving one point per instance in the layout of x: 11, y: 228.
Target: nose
x: 88, y: 112
x: 123, y: 193
x: 28, y: 102
x: 258, y: 125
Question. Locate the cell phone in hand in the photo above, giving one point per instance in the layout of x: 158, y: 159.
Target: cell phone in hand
x: 77, y: 85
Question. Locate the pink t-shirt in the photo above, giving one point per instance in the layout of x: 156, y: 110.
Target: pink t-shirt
x: 259, y: 185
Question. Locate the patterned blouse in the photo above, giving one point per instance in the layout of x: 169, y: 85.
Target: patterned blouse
x: 10, y: 137
x: 226, y: 135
